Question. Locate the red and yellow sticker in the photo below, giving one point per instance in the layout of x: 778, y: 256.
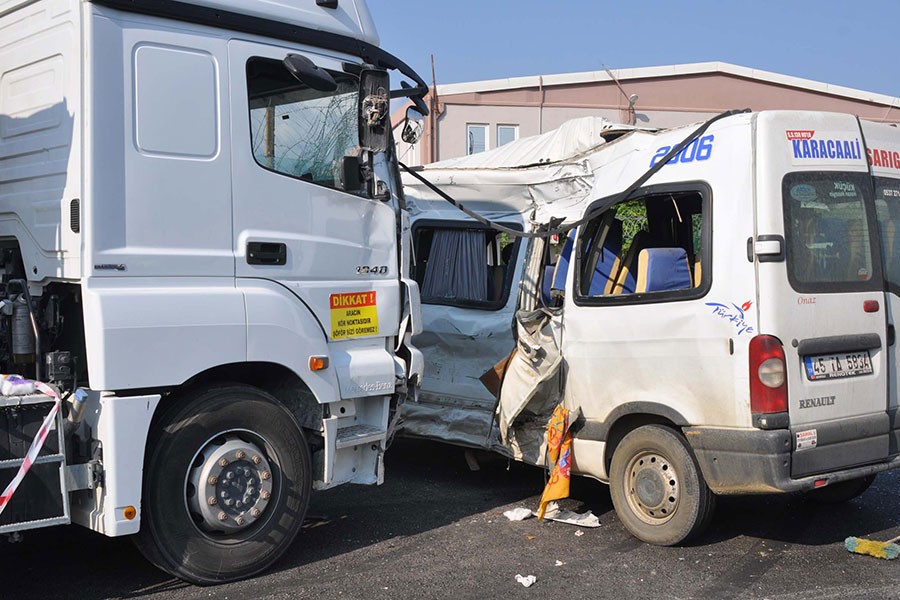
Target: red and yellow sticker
x: 353, y: 315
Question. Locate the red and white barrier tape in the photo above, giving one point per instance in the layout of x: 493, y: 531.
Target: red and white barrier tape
x: 36, y: 445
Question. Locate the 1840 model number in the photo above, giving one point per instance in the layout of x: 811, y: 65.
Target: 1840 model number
x: 376, y: 270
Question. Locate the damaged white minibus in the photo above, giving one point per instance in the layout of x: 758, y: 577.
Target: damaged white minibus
x: 721, y: 314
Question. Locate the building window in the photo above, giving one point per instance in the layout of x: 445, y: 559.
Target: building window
x: 507, y: 134
x: 476, y: 138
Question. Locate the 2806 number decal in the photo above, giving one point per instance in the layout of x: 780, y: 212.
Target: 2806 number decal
x: 698, y: 150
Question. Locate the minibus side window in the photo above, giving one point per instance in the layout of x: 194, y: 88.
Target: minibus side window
x: 829, y: 248
x: 887, y: 207
x: 463, y: 265
x: 652, y: 250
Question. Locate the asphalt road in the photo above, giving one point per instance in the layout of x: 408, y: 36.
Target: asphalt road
x: 435, y: 530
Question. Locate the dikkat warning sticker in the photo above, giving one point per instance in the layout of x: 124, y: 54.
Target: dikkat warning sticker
x: 353, y: 315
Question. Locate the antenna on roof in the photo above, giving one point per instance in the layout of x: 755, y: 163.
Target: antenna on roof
x: 632, y: 115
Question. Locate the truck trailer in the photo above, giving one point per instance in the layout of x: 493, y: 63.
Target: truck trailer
x: 203, y: 250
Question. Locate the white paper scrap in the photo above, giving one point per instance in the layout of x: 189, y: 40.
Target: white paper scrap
x: 526, y: 581
x: 518, y: 514
x: 588, y: 519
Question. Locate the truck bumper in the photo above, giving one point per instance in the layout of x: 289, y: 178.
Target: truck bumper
x: 759, y: 462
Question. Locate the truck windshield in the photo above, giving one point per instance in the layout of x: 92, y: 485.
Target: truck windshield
x: 827, y: 227
x: 296, y: 130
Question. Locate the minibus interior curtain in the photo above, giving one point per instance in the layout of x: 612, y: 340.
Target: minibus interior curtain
x: 457, y: 266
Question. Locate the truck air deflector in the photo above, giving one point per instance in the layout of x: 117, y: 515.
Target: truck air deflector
x: 223, y: 19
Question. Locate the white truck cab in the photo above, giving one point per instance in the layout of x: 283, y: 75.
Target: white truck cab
x: 725, y: 328
x: 203, y: 233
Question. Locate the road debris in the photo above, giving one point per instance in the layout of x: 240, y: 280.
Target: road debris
x: 518, y: 514
x: 527, y: 581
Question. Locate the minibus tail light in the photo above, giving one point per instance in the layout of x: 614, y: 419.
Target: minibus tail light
x: 768, y: 375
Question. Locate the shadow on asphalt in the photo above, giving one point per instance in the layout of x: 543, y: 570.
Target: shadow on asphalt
x: 428, y: 486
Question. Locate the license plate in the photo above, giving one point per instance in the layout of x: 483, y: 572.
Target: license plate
x: 836, y: 366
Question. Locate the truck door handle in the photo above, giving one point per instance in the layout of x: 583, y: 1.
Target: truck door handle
x: 266, y: 253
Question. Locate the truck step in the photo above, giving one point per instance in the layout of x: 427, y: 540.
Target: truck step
x: 358, y: 434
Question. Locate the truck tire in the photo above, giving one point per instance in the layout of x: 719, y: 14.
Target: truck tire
x: 844, y: 491
x: 227, y: 480
x: 657, y: 488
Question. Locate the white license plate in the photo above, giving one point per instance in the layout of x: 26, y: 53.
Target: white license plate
x: 836, y: 366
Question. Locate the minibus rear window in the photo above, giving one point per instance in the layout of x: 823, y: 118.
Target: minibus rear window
x: 827, y: 226
x: 887, y: 205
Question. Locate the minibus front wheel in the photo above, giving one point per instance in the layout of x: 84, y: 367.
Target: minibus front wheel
x: 657, y: 488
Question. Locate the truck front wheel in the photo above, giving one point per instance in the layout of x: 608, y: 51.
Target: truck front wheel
x: 227, y: 480
x: 657, y: 488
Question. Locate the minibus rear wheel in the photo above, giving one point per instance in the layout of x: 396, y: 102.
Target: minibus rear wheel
x: 657, y: 488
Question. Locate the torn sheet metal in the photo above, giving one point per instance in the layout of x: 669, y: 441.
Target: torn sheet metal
x: 532, y: 386
x: 552, y: 174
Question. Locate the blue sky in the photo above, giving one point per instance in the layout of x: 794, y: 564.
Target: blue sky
x: 854, y: 44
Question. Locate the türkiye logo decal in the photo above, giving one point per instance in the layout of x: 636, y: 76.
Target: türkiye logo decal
x: 804, y: 144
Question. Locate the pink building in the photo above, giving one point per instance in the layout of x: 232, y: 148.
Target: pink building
x: 481, y: 115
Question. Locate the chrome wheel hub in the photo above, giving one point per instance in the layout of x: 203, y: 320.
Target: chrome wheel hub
x: 231, y: 480
x: 652, y: 488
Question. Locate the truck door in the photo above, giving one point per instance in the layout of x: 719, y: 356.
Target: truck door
x: 333, y: 251
x: 883, y: 147
x: 823, y: 299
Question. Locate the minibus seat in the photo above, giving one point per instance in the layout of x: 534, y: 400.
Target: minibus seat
x: 495, y: 283
x: 662, y: 269
x: 625, y: 278
x: 857, y: 247
x: 698, y: 273
x: 562, y: 264
x: 546, y: 284
x: 889, y: 243
x: 608, y: 261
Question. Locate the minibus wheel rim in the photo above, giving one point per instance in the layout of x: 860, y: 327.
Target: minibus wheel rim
x: 652, y: 487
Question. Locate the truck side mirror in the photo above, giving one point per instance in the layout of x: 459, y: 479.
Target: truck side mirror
x: 307, y: 72
x: 412, y: 126
x: 374, y: 109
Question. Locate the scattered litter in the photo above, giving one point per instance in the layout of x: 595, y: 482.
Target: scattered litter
x: 588, y: 519
x: 526, y: 581
x: 529, y: 537
x: 518, y: 514
x: 559, y: 563
x: 579, y: 533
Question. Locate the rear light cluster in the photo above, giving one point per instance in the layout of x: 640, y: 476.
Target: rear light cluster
x: 768, y: 376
